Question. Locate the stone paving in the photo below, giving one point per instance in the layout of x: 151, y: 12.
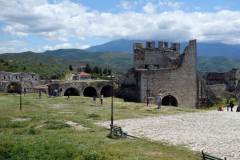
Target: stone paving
x: 214, y: 132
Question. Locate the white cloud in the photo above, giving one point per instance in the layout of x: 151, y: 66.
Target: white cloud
x: 175, y: 5
x: 197, y: 8
x: 14, y: 43
x: 218, y: 8
x: 7, y: 50
x: 64, y: 20
x: 66, y: 46
x: 149, y: 8
x: 126, y: 5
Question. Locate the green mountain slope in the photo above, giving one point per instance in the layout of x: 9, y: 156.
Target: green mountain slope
x: 216, y: 64
x: 36, y: 59
x: 115, y: 59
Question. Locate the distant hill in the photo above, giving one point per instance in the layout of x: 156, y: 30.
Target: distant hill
x: 119, y: 62
x: 203, y: 49
x: 36, y: 58
x: 125, y: 60
x: 216, y: 64
x: 114, y: 59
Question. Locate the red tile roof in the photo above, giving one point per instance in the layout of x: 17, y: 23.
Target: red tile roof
x: 82, y: 67
x: 84, y: 74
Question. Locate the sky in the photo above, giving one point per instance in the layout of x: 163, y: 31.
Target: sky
x: 40, y: 25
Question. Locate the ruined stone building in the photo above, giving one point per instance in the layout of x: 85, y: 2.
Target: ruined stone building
x: 164, y: 70
x: 227, y: 81
x: 14, y: 78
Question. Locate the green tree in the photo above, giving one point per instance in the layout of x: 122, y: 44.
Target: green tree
x: 109, y: 72
x: 70, y: 67
x: 88, y: 69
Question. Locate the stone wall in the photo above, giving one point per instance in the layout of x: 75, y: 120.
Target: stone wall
x: 79, y: 88
x: 228, y: 78
x: 7, y: 77
x: 155, y: 58
x: 180, y: 82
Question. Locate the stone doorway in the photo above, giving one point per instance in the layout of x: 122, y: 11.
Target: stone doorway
x: 165, y: 101
x: 74, y: 92
x: 107, y: 91
x: 89, y: 92
x: 16, y: 87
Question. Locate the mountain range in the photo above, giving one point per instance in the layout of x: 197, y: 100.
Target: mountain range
x: 203, y: 49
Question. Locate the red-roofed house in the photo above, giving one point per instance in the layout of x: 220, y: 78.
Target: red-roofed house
x: 82, y: 76
x: 81, y: 69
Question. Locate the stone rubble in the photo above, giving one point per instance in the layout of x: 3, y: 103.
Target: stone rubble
x: 214, y: 132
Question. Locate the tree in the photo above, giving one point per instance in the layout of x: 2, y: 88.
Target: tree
x: 109, y: 72
x: 88, y: 69
x: 70, y: 67
x: 95, y: 70
x: 105, y: 71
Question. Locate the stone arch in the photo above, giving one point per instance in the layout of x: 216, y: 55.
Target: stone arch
x: 74, y: 91
x: 165, y: 100
x: 89, y: 91
x: 16, y: 87
x: 106, y: 91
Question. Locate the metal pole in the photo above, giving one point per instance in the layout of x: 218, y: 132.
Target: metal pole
x: 147, y: 91
x: 112, y: 106
x: 21, y: 93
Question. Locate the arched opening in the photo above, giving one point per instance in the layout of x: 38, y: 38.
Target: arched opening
x: 73, y: 91
x: 169, y: 98
x: 89, y: 92
x: 107, y: 91
x: 14, y: 87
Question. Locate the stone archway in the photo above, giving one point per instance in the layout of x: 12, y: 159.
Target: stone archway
x: 107, y: 91
x: 89, y: 91
x: 16, y: 87
x: 165, y: 101
x: 74, y: 92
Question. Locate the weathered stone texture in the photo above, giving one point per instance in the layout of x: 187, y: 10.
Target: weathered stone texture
x: 179, y: 81
x: 228, y: 78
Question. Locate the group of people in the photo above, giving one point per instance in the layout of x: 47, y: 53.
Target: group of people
x: 53, y: 93
x: 160, y: 100
x: 229, y: 105
x: 95, y: 98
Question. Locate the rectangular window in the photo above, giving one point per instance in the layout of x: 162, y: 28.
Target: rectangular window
x: 146, y: 66
x: 156, y: 67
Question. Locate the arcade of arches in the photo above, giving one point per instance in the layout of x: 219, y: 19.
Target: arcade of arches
x: 166, y: 99
x: 73, y: 91
x: 89, y: 92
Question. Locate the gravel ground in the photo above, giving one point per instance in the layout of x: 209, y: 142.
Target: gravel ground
x: 214, y: 132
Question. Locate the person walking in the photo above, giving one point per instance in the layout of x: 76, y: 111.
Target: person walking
x: 24, y: 91
x: 238, y: 109
x: 69, y: 93
x: 231, y: 105
x: 228, y: 105
x: 159, y: 100
x: 101, y: 98
x: 227, y: 102
x: 32, y: 83
x: 56, y: 93
x: 169, y: 100
x: 40, y: 93
x: 95, y: 98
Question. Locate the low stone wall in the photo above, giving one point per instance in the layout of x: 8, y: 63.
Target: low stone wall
x: 221, y: 87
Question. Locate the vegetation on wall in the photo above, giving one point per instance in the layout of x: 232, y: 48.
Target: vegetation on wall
x: 45, y: 71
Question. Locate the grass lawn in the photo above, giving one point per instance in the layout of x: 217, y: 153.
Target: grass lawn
x: 61, y: 128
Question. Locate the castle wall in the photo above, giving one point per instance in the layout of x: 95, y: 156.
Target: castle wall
x: 7, y: 77
x: 155, y: 58
x: 228, y: 78
x: 179, y: 82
